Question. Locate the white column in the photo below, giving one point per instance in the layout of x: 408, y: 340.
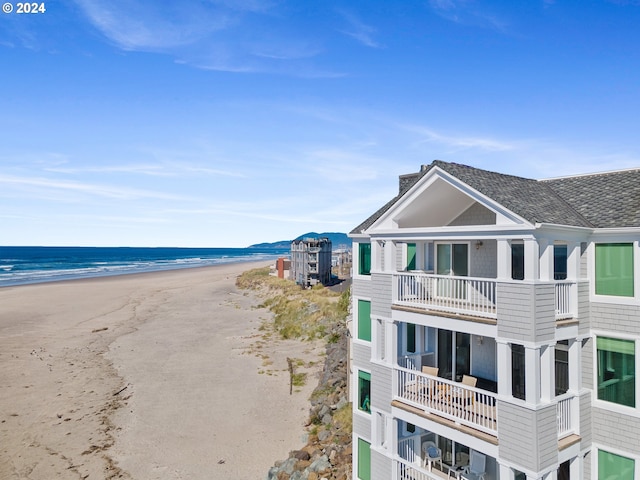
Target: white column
x: 575, y: 362
x: 504, y: 259
x: 420, y: 258
x: 576, y: 468
x: 546, y: 259
x: 532, y: 375
x: 504, y: 368
x: 531, y: 259
x: 573, y: 260
x: 505, y: 473
x: 548, y: 373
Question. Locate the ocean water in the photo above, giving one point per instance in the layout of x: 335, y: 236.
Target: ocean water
x: 24, y: 265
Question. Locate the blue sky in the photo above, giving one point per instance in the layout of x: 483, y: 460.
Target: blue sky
x: 220, y: 123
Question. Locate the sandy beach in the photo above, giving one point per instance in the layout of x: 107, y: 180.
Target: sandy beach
x: 161, y: 375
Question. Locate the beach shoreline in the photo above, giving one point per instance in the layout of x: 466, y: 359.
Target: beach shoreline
x: 147, y: 375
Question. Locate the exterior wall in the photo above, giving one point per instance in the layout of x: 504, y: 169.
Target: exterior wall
x: 615, y: 318
x: 587, y: 363
x: 362, y: 425
x: 526, y: 312
x: 585, y: 419
x: 381, y: 466
x: 584, y: 308
x: 476, y: 214
x: 616, y: 430
x: 311, y: 261
x: 361, y: 355
x: 484, y: 260
x: 381, y: 294
x: 528, y: 437
x: 381, y: 387
x: 361, y: 289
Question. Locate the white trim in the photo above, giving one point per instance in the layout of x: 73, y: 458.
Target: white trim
x: 595, y: 446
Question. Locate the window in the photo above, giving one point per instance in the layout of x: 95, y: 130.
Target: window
x: 614, y: 269
x: 364, y: 460
x: 364, y: 391
x: 411, y: 338
x: 517, y: 371
x: 559, y: 262
x: 517, y: 261
x: 614, y: 467
x: 411, y: 256
x: 364, y: 320
x: 562, y: 367
x: 364, y: 258
x: 616, y: 371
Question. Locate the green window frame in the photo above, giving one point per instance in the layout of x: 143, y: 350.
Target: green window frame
x: 364, y: 258
x: 364, y: 460
x: 616, y: 370
x: 364, y: 320
x: 614, y: 269
x: 612, y: 466
x: 411, y: 256
x: 364, y: 391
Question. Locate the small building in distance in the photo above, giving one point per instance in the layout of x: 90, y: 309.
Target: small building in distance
x: 311, y: 261
x: 281, y: 268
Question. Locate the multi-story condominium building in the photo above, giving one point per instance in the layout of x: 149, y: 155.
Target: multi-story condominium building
x: 311, y: 261
x: 496, y: 328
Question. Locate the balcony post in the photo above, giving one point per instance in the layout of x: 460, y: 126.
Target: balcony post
x: 574, y: 365
x: 547, y: 371
x: 504, y: 368
x: 546, y: 259
x: 532, y: 374
x: 504, y: 259
x: 531, y: 259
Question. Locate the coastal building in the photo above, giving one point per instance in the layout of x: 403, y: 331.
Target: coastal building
x: 281, y: 268
x: 496, y: 328
x: 311, y: 261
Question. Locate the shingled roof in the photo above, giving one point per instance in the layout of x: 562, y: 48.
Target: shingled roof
x: 594, y: 201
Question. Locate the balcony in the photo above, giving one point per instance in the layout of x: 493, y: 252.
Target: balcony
x: 475, y: 297
x: 462, y: 404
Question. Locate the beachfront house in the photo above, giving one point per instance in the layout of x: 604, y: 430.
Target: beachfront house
x: 496, y: 328
x: 311, y: 261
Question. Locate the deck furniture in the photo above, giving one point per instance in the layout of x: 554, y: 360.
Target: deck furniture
x: 431, y: 454
x: 476, y: 468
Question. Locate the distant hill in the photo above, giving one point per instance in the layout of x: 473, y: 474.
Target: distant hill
x: 338, y: 240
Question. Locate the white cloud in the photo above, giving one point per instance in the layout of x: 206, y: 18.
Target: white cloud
x: 360, y: 31
x: 458, y: 142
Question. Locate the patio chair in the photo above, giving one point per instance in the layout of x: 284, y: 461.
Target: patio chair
x: 431, y: 454
x: 430, y: 389
x: 476, y: 468
x: 462, y: 396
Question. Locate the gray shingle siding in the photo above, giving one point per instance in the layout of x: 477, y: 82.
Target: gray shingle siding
x: 361, y: 355
x: 528, y: 437
x: 362, y: 425
x: 587, y: 363
x: 526, y: 312
x: 361, y: 288
x: 616, y: 318
x: 381, y: 466
x: 381, y: 387
x: 476, y: 214
x: 484, y: 260
x: 584, y: 307
x: 585, y: 419
x: 381, y: 288
x: 617, y: 430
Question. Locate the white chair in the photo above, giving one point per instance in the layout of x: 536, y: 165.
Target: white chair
x: 476, y: 467
x: 431, y: 454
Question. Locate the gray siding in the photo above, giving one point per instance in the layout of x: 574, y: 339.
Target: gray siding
x: 484, y: 260
x: 585, y: 419
x: 617, y: 430
x: 526, y: 312
x: 584, y: 308
x: 362, y: 425
x: 381, y: 387
x: 381, y: 466
x: 476, y: 214
x: 528, y: 437
x: 361, y: 355
x: 381, y: 290
x: 361, y: 288
x: 584, y: 261
x: 587, y: 363
x: 586, y: 463
x: 615, y: 318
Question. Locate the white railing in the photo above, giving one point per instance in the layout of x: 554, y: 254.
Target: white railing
x: 564, y: 414
x: 462, y: 295
x: 409, y: 471
x: 458, y: 402
x: 564, y: 300
x: 415, y: 361
x: 407, y: 448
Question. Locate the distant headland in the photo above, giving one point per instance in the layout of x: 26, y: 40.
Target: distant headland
x: 338, y: 240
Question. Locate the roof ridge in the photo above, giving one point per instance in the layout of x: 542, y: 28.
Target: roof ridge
x: 593, y: 174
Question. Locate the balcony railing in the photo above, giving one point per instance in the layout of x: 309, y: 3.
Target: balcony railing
x: 455, y: 401
x: 465, y: 295
x: 462, y: 295
x: 410, y: 471
x: 565, y: 414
